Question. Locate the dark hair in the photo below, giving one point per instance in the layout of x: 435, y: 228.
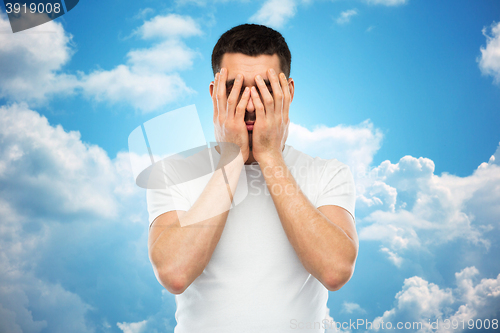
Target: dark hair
x: 252, y: 40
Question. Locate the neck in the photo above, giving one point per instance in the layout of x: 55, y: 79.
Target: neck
x: 251, y: 159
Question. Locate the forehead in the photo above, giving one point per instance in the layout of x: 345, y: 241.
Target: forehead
x: 238, y: 63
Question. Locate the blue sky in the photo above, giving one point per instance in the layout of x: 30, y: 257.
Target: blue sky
x: 406, y: 92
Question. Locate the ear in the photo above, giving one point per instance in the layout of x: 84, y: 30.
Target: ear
x: 211, y: 88
x: 291, y: 85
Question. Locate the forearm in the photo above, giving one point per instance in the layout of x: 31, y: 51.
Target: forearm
x: 325, y: 250
x: 182, y: 250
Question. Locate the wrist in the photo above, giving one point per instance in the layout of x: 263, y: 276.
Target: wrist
x: 270, y: 159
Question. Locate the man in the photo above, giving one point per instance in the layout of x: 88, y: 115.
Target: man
x: 266, y: 264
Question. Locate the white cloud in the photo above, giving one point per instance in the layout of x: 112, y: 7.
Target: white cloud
x: 388, y: 2
x: 419, y: 301
x: 48, y: 172
x: 169, y: 26
x: 345, y: 16
x: 53, y: 189
x: 145, y: 91
x: 31, y: 61
x: 407, y: 206
x: 393, y: 257
x: 150, y: 78
x: 352, y: 145
x: 156, y: 322
x: 495, y: 158
x: 377, y: 195
x: 50, y: 180
x: 56, y: 309
x: 188, y: 2
x: 348, y: 307
x: 52, y: 169
x: 31, y: 64
x: 132, y: 327
x: 165, y: 57
x: 480, y: 301
x: 275, y: 13
x: 489, y: 62
x: 423, y: 302
x: 143, y: 13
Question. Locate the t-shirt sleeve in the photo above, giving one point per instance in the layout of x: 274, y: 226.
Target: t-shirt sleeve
x: 164, y: 200
x: 337, y: 187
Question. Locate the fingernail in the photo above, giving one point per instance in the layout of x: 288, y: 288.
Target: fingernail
x: 259, y: 78
x: 222, y: 71
x: 238, y: 77
x: 272, y: 71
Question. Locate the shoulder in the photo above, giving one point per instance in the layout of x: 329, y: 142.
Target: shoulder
x: 296, y: 159
x: 177, y: 168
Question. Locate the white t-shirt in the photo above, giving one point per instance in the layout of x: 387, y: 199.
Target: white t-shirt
x: 255, y: 281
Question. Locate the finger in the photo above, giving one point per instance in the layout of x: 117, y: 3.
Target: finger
x: 277, y: 93
x: 266, y: 95
x: 287, y: 97
x: 214, y: 97
x: 242, y: 105
x: 259, y: 107
x: 285, y: 136
x: 234, y: 95
x: 221, y: 94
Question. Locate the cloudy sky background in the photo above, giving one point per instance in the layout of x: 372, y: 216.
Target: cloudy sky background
x: 406, y: 92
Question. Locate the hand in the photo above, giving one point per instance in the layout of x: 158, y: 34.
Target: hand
x: 270, y: 129
x: 229, y: 115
